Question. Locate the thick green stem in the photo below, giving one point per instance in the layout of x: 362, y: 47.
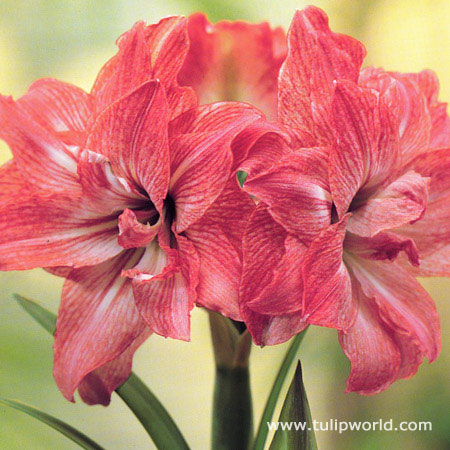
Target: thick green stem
x: 232, y: 409
x: 232, y: 427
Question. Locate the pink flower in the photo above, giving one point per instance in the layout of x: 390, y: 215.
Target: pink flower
x: 343, y: 226
x: 234, y: 61
x: 128, y: 193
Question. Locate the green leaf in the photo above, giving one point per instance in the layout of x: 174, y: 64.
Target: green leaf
x: 45, y: 318
x: 142, y: 402
x: 152, y: 415
x: 263, y: 430
x: 295, y: 410
x: 76, y: 436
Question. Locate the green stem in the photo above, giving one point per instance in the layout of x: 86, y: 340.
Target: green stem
x: 271, y: 403
x: 232, y: 409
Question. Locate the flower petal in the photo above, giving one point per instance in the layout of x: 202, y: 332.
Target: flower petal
x: 263, y: 248
x: 97, y: 386
x: 132, y: 134
x: 162, y: 294
x: 295, y: 200
x: 403, y: 201
x: 407, y: 104
x: 405, y: 307
x: 61, y: 108
x: 42, y: 157
x: 102, y: 188
x: 217, y: 238
x: 146, y: 53
x: 327, y: 296
x: 432, y: 232
x: 366, y: 150
x: 97, y: 321
x: 316, y: 57
x: 234, y: 61
x: 133, y: 233
x: 370, y: 347
x: 54, y: 230
x: 201, y: 159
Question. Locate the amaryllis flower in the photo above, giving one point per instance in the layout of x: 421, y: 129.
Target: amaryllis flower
x: 350, y: 220
x: 127, y: 193
x: 234, y: 61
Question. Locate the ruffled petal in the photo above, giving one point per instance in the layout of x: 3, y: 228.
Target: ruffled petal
x: 234, y: 61
x: 162, y: 294
x: 403, y: 201
x: 406, y: 309
x: 145, y: 53
x: 295, y: 200
x: 432, y: 232
x: 263, y: 249
x: 54, y: 230
x: 407, y: 104
x: 97, y: 386
x: 133, y: 233
x: 327, y: 295
x: 369, y: 345
x: 217, y: 238
x: 316, y: 58
x: 61, y: 108
x: 366, y: 151
x: 42, y: 157
x: 97, y: 321
x: 107, y: 193
x: 132, y: 134
x: 201, y: 159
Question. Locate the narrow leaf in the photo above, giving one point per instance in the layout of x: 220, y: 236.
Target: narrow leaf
x: 45, y: 318
x: 76, y: 436
x: 142, y: 402
x: 295, y: 411
x: 152, y: 414
x: 263, y: 430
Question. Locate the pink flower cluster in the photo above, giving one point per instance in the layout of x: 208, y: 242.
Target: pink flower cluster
x: 130, y: 193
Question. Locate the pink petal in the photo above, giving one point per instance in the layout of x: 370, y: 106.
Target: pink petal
x: 366, y: 150
x: 97, y: 321
x: 370, y: 347
x: 132, y: 134
x: 234, y: 61
x: 327, y: 295
x: 263, y: 249
x: 40, y: 155
x: 405, y: 307
x: 432, y: 232
x: 217, y: 238
x: 284, y: 294
x: 97, y: 386
x: 54, y: 230
x: 440, y: 121
x: 102, y: 188
x: 146, y: 53
x: 11, y: 181
x: 316, y: 57
x: 384, y: 245
x: 403, y: 201
x: 133, y: 233
x: 409, y: 107
x: 162, y: 294
x: 201, y: 159
x: 295, y: 200
x: 61, y: 108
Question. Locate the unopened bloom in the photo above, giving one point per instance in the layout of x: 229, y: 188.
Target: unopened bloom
x: 127, y: 193
x: 351, y: 219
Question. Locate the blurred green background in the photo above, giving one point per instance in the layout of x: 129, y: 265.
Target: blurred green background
x: 71, y: 40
